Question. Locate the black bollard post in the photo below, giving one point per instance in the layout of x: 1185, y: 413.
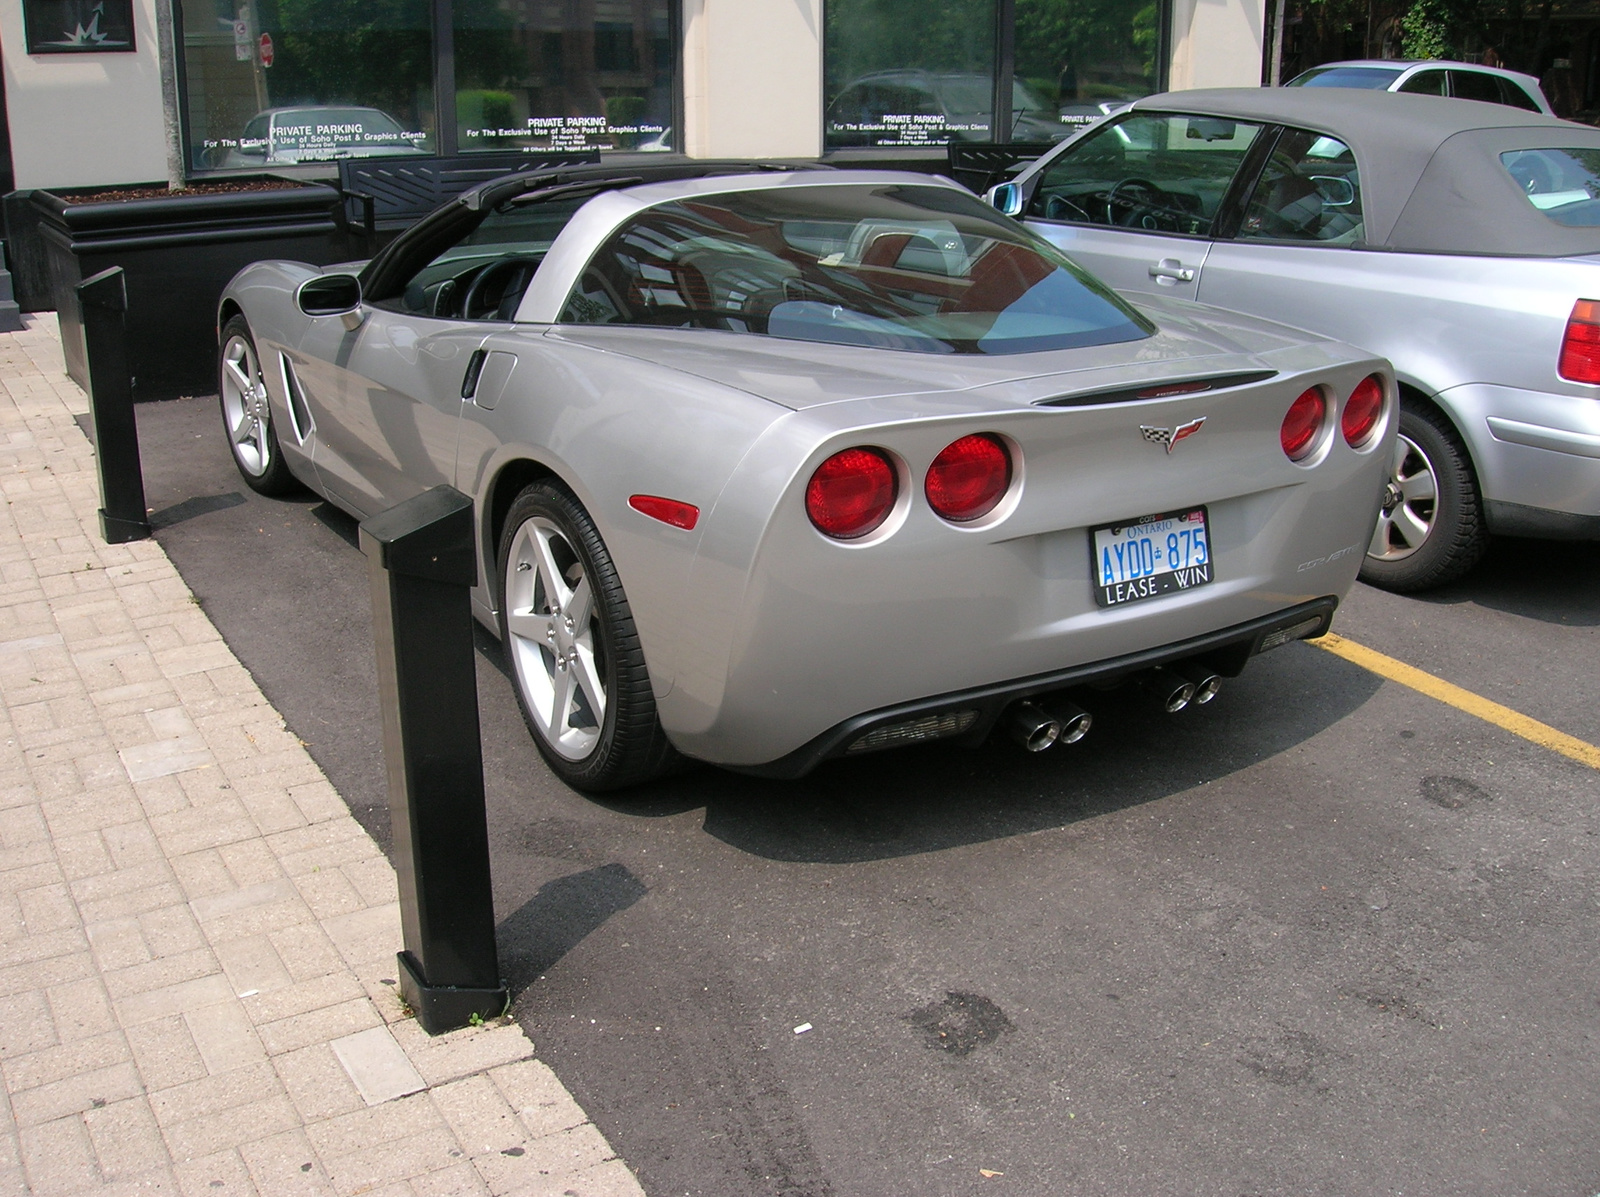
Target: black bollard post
x: 103, y: 308
x: 421, y: 563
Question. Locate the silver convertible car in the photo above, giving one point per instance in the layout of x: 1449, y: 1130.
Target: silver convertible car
x: 1460, y: 240
x: 775, y: 466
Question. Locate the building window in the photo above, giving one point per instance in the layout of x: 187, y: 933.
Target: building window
x: 903, y: 73
x: 564, y: 74
x: 279, y: 82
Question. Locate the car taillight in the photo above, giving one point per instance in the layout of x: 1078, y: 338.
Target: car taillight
x: 1361, y: 411
x: 1580, y: 346
x: 968, y: 477
x: 852, y: 493
x: 1302, y: 423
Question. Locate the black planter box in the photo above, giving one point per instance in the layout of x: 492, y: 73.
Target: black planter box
x: 178, y: 253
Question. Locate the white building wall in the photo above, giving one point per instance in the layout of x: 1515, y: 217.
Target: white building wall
x: 84, y: 119
x: 752, y: 78
x: 1216, y: 43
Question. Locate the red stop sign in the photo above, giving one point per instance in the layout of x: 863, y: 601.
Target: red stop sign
x: 266, y: 49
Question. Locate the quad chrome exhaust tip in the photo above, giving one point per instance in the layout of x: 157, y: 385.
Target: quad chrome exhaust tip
x: 1075, y: 721
x: 1206, y: 684
x: 1038, y: 727
x: 1032, y: 726
x: 1172, y: 690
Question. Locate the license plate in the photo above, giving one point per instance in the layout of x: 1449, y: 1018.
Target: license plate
x: 1151, y: 556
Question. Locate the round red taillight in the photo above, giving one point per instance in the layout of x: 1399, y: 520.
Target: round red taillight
x: 1361, y: 411
x: 968, y: 477
x: 852, y: 493
x: 1302, y: 423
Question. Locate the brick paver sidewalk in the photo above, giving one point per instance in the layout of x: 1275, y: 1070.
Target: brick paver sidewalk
x: 196, y: 939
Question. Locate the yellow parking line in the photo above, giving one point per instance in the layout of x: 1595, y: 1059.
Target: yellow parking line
x: 1463, y: 700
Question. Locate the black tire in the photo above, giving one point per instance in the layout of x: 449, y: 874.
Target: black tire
x: 548, y: 534
x: 1402, y: 558
x: 247, y: 413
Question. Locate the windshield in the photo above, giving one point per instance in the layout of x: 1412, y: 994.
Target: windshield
x: 1561, y: 183
x: 919, y: 268
x: 1373, y: 78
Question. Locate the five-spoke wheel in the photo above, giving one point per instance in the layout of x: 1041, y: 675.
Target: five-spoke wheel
x: 247, y: 414
x: 574, y: 652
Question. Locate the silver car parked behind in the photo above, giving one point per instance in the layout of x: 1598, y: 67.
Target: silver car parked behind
x: 1461, y: 241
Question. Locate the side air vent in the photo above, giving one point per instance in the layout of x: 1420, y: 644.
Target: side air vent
x: 299, y: 413
x: 1161, y: 390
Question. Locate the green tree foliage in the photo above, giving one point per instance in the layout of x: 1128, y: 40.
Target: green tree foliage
x: 368, y: 52
x: 1087, y: 49
x: 863, y: 36
x: 1427, y: 30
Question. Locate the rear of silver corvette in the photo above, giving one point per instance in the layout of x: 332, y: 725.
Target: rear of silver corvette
x: 1199, y: 521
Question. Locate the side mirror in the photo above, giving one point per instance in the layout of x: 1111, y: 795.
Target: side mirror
x: 1007, y: 197
x: 329, y: 295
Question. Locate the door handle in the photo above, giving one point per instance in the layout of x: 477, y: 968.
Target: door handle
x: 1170, y: 270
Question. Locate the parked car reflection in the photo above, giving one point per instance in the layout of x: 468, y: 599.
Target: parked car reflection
x: 320, y: 133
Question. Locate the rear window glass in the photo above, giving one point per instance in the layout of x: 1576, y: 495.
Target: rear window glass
x: 925, y: 269
x: 1561, y: 183
x: 1375, y: 78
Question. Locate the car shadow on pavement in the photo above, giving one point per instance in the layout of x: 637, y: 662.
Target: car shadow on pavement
x: 1552, y: 581
x: 918, y: 800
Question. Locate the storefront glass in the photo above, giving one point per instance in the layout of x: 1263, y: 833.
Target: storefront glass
x: 276, y: 82
x: 908, y: 73
x: 563, y: 74
x: 1084, y: 56
x: 905, y: 73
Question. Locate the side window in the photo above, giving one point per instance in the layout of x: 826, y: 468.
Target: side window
x: 483, y: 274
x: 1150, y: 171
x: 1425, y: 83
x: 1309, y: 191
x: 1474, y: 85
x: 1514, y: 96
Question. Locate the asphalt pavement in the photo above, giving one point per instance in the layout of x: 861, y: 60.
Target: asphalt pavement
x: 1325, y: 935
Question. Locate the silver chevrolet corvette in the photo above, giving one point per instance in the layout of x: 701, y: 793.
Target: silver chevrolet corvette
x: 772, y: 466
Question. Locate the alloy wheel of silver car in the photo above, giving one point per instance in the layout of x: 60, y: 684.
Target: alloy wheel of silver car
x: 575, y: 656
x: 247, y: 413
x: 1430, y: 526
x: 1410, y: 501
x: 555, y: 645
x: 244, y: 406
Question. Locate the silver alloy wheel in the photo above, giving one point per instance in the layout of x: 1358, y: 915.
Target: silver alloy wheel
x: 551, y: 618
x: 244, y: 406
x: 1410, y: 504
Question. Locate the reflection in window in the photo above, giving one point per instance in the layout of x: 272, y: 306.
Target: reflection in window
x: 904, y: 72
x: 924, y: 269
x: 278, y: 82
x: 1309, y: 191
x: 1562, y: 183
x: 1153, y: 172
x: 1082, y: 57
x: 563, y: 74
x: 908, y: 73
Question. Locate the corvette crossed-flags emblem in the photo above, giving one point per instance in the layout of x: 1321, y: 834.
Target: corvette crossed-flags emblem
x: 1170, y: 436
